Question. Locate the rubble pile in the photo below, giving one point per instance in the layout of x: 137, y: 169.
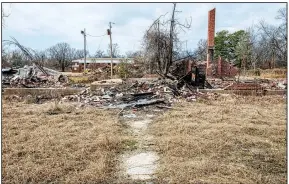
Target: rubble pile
x: 219, y: 83
x: 274, y: 84
x: 102, y: 73
x: 33, y: 77
x: 161, y: 93
x: 7, y: 75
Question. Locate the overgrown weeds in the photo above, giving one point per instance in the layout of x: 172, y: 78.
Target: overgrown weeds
x: 56, y: 108
x: 231, y: 140
x: 268, y: 73
x: 79, y: 147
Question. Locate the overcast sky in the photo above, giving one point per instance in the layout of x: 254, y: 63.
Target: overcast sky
x: 41, y: 25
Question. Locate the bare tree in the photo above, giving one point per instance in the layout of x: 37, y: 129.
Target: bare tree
x: 282, y: 15
x: 18, y: 59
x: 201, y: 51
x: 14, y: 58
x: 162, y: 44
x: 115, y: 50
x: 4, y: 15
x: 4, y: 54
x: 79, y: 53
x: 133, y: 54
x: 63, y: 54
x: 27, y: 53
x: 99, y: 53
x: 275, y: 41
x: 275, y: 38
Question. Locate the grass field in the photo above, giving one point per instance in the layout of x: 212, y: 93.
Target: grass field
x: 227, y: 140
x: 50, y: 143
x: 230, y: 140
x: 268, y: 73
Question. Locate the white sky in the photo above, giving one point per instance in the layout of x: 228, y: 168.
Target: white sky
x: 41, y: 25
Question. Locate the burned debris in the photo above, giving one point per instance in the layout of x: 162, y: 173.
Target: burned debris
x: 33, y: 77
x: 7, y: 75
x: 130, y: 94
x: 173, y: 75
x: 188, y: 71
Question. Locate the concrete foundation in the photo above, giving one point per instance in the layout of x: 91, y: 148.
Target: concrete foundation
x: 49, y: 92
x: 245, y: 92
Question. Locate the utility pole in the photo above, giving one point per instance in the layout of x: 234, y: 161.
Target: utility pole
x: 171, y: 40
x: 84, y: 37
x: 109, y: 32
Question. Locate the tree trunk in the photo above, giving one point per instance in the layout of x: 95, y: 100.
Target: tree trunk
x: 62, y: 66
x: 170, y: 59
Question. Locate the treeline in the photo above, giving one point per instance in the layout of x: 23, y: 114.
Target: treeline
x: 262, y: 45
x: 58, y: 56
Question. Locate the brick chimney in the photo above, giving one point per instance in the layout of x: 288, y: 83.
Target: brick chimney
x: 211, y: 36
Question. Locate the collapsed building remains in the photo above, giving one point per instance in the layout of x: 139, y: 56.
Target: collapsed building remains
x: 32, y: 77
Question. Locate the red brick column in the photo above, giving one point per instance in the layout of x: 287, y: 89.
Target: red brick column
x: 210, y: 42
x: 211, y: 27
x: 219, y: 71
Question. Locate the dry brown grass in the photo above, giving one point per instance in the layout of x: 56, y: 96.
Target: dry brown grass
x: 50, y: 143
x: 230, y: 140
x: 268, y: 73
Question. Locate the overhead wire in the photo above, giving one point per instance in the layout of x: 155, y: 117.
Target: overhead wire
x: 100, y: 43
x: 95, y: 36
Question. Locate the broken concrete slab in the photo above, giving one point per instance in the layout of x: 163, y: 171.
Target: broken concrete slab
x: 141, y: 166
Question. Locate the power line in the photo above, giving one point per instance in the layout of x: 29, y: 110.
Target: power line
x: 100, y: 43
x: 95, y: 36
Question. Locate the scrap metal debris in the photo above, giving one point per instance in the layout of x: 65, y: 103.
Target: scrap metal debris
x: 32, y: 77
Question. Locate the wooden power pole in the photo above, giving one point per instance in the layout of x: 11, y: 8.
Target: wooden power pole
x: 111, y: 65
x: 84, y: 37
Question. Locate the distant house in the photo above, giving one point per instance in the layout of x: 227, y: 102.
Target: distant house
x: 93, y: 63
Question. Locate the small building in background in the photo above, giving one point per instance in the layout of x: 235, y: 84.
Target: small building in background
x: 94, y: 63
